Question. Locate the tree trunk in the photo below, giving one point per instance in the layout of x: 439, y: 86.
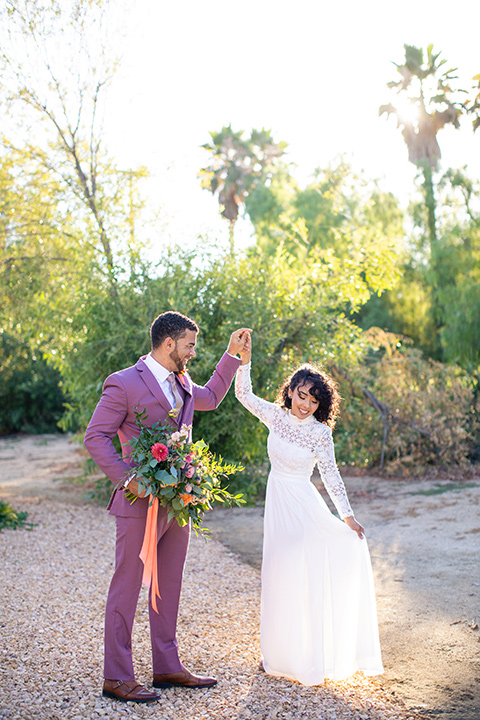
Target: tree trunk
x: 430, y: 205
x: 231, y: 238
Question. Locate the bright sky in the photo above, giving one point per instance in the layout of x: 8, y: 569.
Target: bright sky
x: 312, y: 71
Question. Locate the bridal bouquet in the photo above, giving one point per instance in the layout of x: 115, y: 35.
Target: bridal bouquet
x: 185, y: 477
x: 180, y: 475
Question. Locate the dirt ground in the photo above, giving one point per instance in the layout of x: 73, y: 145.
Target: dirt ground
x: 424, y: 539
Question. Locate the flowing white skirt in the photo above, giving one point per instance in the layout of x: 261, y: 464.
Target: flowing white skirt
x: 319, y: 617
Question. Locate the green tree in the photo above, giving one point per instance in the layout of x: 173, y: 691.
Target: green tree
x: 458, y: 273
x: 237, y: 166
x: 46, y: 265
x: 325, y: 214
x: 55, y: 67
x: 68, y: 214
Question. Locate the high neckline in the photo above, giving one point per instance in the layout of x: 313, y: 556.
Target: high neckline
x: 297, y: 421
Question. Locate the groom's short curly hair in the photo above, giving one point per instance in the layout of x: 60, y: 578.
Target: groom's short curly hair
x: 170, y: 324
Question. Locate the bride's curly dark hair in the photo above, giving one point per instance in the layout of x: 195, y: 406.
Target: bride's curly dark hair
x: 323, y: 388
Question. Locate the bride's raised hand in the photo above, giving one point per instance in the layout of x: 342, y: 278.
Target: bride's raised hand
x: 246, y: 351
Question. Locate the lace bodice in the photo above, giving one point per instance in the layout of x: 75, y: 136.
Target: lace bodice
x: 294, y: 445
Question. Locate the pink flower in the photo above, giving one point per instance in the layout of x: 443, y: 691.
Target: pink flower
x: 159, y: 451
x: 189, y: 472
x: 189, y: 458
x: 188, y: 488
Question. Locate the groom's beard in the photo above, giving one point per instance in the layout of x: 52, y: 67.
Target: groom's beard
x: 180, y: 363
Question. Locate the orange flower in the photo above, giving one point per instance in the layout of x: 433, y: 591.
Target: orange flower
x: 187, y: 499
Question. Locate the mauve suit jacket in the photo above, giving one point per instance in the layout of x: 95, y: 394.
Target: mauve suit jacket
x: 136, y: 388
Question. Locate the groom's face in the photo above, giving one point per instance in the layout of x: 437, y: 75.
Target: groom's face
x: 184, y: 350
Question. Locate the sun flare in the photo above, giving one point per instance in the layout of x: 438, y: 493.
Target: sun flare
x: 408, y: 110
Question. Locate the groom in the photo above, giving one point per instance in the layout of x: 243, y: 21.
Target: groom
x: 159, y: 384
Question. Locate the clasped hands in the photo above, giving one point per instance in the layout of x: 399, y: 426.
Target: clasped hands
x: 240, y: 344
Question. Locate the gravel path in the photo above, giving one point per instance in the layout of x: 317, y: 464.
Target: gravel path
x: 54, y: 580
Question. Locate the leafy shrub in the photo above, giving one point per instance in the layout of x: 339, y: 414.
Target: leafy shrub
x: 31, y: 397
x: 420, y: 411
x: 11, y: 519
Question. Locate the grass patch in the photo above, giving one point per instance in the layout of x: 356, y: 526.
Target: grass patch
x: 11, y: 519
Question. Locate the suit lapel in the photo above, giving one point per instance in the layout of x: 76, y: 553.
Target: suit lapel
x: 153, y: 386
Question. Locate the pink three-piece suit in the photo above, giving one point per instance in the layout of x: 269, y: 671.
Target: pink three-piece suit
x: 136, y: 388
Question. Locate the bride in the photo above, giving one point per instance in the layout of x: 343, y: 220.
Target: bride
x: 318, y: 613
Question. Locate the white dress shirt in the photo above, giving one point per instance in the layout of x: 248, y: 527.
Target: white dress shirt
x: 161, y: 374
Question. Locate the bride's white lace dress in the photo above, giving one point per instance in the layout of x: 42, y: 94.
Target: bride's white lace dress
x: 318, y: 614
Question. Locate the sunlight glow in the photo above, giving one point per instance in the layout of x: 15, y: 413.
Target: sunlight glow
x: 408, y: 110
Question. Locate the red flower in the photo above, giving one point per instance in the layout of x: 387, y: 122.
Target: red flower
x: 159, y: 451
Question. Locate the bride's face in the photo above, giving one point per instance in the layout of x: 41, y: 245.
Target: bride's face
x: 303, y: 404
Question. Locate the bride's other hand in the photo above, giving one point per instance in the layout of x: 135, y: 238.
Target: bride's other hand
x: 354, y: 525
x: 246, y: 351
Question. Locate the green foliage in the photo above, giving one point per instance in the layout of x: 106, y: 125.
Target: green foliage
x: 10, y: 519
x: 406, y: 309
x: 435, y: 300
x: 299, y: 311
x: 31, y: 396
x: 46, y: 265
x: 332, y: 210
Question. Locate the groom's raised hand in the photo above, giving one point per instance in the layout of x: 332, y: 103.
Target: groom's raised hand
x: 238, y: 341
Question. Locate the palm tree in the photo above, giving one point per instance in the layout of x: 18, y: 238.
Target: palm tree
x: 421, y: 116
x: 236, y: 166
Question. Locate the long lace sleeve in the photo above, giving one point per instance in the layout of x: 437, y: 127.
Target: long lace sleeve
x: 262, y: 409
x: 331, y: 478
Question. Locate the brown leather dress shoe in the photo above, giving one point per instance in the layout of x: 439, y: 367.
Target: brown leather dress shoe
x: 184, y: 678
x: 128, y: 691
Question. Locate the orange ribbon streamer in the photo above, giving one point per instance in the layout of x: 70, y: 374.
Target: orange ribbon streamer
x: 148, y: 553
